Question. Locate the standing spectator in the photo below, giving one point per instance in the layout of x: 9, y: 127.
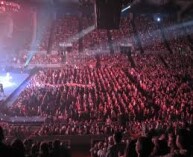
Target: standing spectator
x: 118, y: 148
x: 18, y: 148
x: 5, y: 151
x: 183, y: 144
x: 130, y: 149
x: 143, y: 147
x: 44, y: 150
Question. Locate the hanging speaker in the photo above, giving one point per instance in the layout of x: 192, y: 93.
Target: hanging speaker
x: 107, y: 13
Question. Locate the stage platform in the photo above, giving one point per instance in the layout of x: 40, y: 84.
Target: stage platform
x: 11, y: 81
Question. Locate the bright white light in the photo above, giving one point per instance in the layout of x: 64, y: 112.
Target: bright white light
x: 81, y: 34
x: 8, y: 77
x: 128, y: 7
x: 158, y: 19
x: 6, y: 80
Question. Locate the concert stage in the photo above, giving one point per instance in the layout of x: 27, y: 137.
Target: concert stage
x: 11, y: 81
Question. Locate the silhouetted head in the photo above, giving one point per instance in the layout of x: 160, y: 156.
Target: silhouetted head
x: 18, y: 146
x: 182, y: 139
x: 144, y: 146
x: 56, y: 144
x: 44, y: 148
x: 1, y: 134
x: 117, y: 137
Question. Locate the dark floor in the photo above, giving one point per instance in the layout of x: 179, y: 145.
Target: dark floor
x: 80, y: 151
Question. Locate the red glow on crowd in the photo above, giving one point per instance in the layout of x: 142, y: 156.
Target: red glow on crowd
x: 9, y: 7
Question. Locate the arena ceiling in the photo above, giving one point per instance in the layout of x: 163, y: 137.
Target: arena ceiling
x: 180, y: 6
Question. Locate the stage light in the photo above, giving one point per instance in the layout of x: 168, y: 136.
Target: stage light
x: 80, y: 35
x: 128, y: 7
x: 158, y: 19
x: 8, y: 77
x: 6, y: 80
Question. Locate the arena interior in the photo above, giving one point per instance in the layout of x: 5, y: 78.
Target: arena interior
x: 96, y: 78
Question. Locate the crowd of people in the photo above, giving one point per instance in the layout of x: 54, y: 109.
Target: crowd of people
x: 95, y: 40
x: 102, y: 94
x: 153, y: 36
x: 156, y: 140
x: 79, y: 92
x: 176, y: 36
x: 37, y: 58
x: 65, y: 34
x: 170, y: 88
x: 175, y: 142
x: 31, y: 148
x: 150, y: 34
x: 107, y: 93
